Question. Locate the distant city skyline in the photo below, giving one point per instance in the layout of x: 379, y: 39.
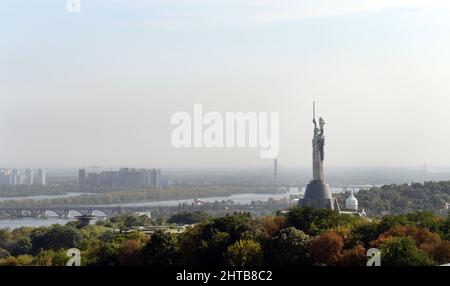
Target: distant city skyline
x: 123, y: 178
x: 99, y: 87
x: 14, y: 177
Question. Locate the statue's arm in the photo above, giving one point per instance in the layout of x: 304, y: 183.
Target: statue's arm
x: 321, y: 123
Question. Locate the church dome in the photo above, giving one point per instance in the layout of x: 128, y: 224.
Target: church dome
x: 351, y: 203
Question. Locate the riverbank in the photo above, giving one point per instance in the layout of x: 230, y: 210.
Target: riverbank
x: 153, y: 195
x: 239, y: 199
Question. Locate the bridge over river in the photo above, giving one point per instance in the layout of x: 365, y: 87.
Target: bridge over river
x: 63, y: 212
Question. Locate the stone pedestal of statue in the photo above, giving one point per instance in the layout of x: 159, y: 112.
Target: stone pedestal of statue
x: 318, y: 195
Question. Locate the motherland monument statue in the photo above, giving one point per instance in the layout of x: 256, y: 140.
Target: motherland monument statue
x: 318, y: 192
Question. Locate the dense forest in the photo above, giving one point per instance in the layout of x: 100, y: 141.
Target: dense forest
x: 400, y: 199
x: 300, y: 237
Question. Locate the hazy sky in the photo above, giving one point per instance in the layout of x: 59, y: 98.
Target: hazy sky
x: 99, y: 87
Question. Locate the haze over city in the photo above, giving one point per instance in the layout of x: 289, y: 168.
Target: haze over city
x: 100, y: 87
x: 224, y: 140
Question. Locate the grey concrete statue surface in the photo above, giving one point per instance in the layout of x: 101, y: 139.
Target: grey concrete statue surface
x: 318, y: 143
x: 318, y: 193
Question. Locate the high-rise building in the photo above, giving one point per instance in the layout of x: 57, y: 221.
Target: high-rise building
x: 155, y: 178
x: 148, y: 178
x: 93, y: 180
x: 141, y: 176
x: 29, y: 177
x: 5, y: 177
x: 82, y: 177
x: 134, y: 179
x: 14, y: 179
x: 109, y: 179
x: 10, y: 177
x: 41, y: 177
x: 124, y: 178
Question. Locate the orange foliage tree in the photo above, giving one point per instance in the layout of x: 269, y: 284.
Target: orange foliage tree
x: 425, y: 239
x: 326, y: 248
x: 353, y: 257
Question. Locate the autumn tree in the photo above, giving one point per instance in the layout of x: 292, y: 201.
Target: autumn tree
x: 441, y: 253
x: 326, y: 248
x: 424, y: 239
x: 353, y: 257
x: 273, y: 224
x: 21, y: 260
x: 130, y: 253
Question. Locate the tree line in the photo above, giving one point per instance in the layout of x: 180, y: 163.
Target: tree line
x: 300, y: 237
x: 404, y: 198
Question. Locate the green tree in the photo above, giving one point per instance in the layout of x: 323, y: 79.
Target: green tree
x: 146, y: 220
x: 389, y: 221
x: 244, y: 253
x: 189, y: 217
x: 105, y: 255
x: 426, y: 219
x: 126, y: 221
x: 290, y: 247
x: 364, y: 233
x: 402, y: 251
x: 21, y: 246
x: 4, y: 253
x: 211, y: 250
x: 5, y: 235
x: 206, y: 243
x: 50, y: 258
x: 446, y: 228
x: 203, y: 247
x: 238, y: 225
x: 56, y: 237
x: 315, y: 221
x: 160, y: 250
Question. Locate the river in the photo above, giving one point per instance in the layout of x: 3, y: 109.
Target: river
x: 238, y: 198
